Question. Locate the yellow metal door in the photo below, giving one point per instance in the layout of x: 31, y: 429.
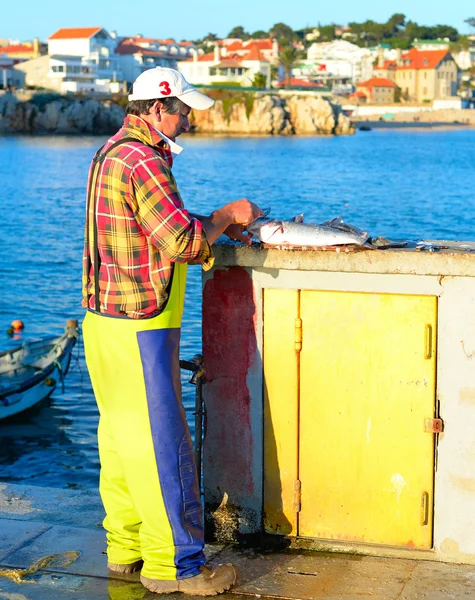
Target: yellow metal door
x: 280, y: 410
x: 367, y: 369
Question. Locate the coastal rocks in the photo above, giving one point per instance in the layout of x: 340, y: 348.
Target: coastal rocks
x: 310, y: 115
x: 273, y: 115
x: 246, y: 115
x: 234, y: 112
x: 59, y: 116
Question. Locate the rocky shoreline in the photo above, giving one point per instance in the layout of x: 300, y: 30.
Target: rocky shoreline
x: 235, y: 113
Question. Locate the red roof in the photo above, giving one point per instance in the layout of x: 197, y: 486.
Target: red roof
x: 139, y: 39
x: 261, y: 44
x: 378, y: 82
x: 251, y: 54
x: 422, y: 59
x: 74, y: 33
x: 17, y: 48
x: 128, y: 48
x: 416, y: 59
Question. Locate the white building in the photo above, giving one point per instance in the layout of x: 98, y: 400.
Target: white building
x: 339, y: 60
x: 84, y: 59
x: 137, y: 54
x: 226, y: 67
x: 9, y: 76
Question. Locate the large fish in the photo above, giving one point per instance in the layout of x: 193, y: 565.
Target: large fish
x: 296, y: 233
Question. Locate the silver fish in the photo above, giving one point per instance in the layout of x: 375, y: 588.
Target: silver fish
x: 276, y: 232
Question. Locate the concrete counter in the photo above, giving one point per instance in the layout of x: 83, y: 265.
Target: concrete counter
x: 413, y: 338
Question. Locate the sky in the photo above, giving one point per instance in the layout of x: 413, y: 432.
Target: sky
x: 186, y: 19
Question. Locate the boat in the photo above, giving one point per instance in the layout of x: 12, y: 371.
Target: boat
x: 29, y: 373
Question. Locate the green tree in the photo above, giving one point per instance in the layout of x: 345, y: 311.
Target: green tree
x: 397, y: 22
x: 259, y: 81
x: 238, y: 32
x: 260, y: 34
x: 445, y: 31
x: 470, y: 22
x: 288, y: 57
x: 282, y: 32
x: 327, y: 33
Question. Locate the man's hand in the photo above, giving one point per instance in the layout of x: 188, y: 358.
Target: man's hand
x: 243, y: 211
x: 236, y: 232
x: 235, y: 217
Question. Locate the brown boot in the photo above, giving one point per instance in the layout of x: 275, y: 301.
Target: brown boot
x: 208, y: 583
x: 125, y: 569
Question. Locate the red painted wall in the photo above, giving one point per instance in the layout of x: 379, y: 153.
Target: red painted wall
x: 229, y: 350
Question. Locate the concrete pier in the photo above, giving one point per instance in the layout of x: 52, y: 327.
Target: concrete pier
x: 63, y: 528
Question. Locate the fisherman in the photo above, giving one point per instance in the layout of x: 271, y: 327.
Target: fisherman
x: 139, y: 239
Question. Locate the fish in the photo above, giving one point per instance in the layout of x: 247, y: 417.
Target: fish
x: 296, y: 233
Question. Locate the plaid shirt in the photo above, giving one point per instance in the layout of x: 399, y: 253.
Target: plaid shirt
x: 142, y: 226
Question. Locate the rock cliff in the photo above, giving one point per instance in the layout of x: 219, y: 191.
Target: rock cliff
x: 274, y: 115
x: 237, y: 113
x: 45, y: 114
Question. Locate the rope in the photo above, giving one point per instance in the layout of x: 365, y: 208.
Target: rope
x: 61, y: 374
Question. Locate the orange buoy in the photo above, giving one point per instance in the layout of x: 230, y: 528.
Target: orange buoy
x: 17, y: 325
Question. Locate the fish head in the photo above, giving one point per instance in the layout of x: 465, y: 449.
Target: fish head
x: 264, y: 229
x: 271, y: 230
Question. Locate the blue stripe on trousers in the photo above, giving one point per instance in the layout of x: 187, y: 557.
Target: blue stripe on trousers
x: 159, y: 350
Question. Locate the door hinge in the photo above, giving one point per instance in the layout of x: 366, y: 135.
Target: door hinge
x: 298, y: 334
x: 433, y: 425
x: 297, y: 495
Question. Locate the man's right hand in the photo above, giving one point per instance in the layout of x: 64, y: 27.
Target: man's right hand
x: 240, y: 212
x: 243, y: 211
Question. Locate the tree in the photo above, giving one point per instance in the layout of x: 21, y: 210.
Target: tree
x: 260, y: 35
x: 397, y: 22
x: 238, y: 32
x: 445, y: 31
x: 470, y: 22
x: 327, y: 33
x: 282, y: 32
x: 288, y: 56
x: 260, y: 80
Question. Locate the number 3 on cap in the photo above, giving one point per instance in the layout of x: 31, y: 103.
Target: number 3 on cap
x: 165, y: 88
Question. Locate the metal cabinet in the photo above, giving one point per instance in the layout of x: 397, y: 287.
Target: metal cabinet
x: 349, y: 409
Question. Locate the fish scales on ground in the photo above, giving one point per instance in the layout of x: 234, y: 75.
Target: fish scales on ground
x: 295, y: 233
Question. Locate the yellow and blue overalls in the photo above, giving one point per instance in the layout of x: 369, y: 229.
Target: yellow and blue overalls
x: 148, y: 481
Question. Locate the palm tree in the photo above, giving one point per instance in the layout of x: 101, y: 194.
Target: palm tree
x: 288, y: 56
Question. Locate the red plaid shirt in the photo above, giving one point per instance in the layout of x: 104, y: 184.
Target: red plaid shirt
x: 142, y: 226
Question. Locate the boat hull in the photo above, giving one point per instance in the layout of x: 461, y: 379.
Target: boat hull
x: 48, y: 370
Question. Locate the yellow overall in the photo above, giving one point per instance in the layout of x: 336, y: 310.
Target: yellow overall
x: 148, y: 480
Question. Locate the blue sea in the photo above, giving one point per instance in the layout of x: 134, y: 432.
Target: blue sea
x: 398, y: 183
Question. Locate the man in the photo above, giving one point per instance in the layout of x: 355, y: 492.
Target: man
x: 139, y: 239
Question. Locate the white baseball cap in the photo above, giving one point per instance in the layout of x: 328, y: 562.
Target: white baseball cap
x: 162, y: 82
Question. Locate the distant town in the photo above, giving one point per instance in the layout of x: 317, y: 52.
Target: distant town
x: 362, y: 63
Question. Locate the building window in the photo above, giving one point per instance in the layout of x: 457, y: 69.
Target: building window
x: 212, y: 71
x: 425, y: 74
x: 424, y: 91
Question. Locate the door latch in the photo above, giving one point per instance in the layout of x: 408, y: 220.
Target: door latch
x: 433, y: 425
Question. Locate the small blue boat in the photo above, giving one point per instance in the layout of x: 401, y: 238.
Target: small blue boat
x: 30, y: 372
